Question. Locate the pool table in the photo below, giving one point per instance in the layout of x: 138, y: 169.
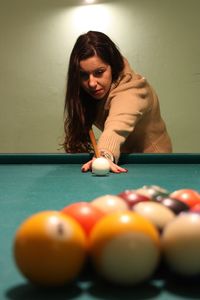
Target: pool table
x: 30, y: 183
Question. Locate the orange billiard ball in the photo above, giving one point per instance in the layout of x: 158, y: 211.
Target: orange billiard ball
x: 50, y: 248
x: 86, y: 214
x: 188, y: 196
x: 125, y: 248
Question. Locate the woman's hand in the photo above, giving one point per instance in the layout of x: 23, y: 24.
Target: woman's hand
x: 87, y: 166
x: 113, y: 167
x: 117, y: 169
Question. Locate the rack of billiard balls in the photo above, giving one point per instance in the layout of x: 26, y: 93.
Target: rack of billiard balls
x: 125, y: 236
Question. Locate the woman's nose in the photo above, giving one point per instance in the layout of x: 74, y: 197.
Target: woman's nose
x: 92, y: 81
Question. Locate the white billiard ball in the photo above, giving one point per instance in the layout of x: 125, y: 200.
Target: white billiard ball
x: 110, y: 203
x: 155, y: 212
x: 100, y: 166
x: 181, y: 244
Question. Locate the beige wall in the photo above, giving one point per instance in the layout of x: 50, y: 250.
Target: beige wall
x: 160, y: 38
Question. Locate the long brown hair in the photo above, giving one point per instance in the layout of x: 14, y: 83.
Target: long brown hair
x: 80, y: 107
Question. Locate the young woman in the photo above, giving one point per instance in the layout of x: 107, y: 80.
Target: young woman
x: 103, y: 90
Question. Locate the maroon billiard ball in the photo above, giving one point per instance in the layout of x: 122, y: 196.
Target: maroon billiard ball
x: 132, y: 197
x: 175, y: 205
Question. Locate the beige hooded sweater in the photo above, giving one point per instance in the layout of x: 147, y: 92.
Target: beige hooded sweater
x: 130, y: 118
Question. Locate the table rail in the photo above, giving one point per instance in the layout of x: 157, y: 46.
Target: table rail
x: 80, y: 158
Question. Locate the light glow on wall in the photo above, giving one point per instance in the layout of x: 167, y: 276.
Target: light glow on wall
x: 90, y: 1
x: 91, y: 17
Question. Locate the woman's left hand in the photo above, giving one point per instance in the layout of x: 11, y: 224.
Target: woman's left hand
x: 113, y: 167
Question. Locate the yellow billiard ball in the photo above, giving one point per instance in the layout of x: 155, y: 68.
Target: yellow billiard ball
x: 125, y: 248
x: 50, y: 248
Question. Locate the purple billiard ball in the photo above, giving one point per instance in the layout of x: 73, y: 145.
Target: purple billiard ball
x: 175, y: 205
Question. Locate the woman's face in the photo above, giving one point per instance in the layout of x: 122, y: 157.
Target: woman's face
x: 96, y: 77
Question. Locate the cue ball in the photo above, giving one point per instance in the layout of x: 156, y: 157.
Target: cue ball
x: 50, y: 248
x: 125, y: 248
x: 100, y: 166
x: 181, y: 244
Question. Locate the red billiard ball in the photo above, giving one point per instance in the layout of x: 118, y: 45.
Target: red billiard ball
x: 195, y: 208
x: 188, y: 196
x: 132, y: 197
x: 85, y: 214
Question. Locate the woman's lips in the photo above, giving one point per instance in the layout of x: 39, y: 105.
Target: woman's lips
x: 97, y: 92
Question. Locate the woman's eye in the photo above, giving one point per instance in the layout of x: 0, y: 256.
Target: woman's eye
x: 84, y: 76
x: 98, y: 73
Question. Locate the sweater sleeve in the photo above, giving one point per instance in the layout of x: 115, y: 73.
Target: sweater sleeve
x: 127, y: 106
